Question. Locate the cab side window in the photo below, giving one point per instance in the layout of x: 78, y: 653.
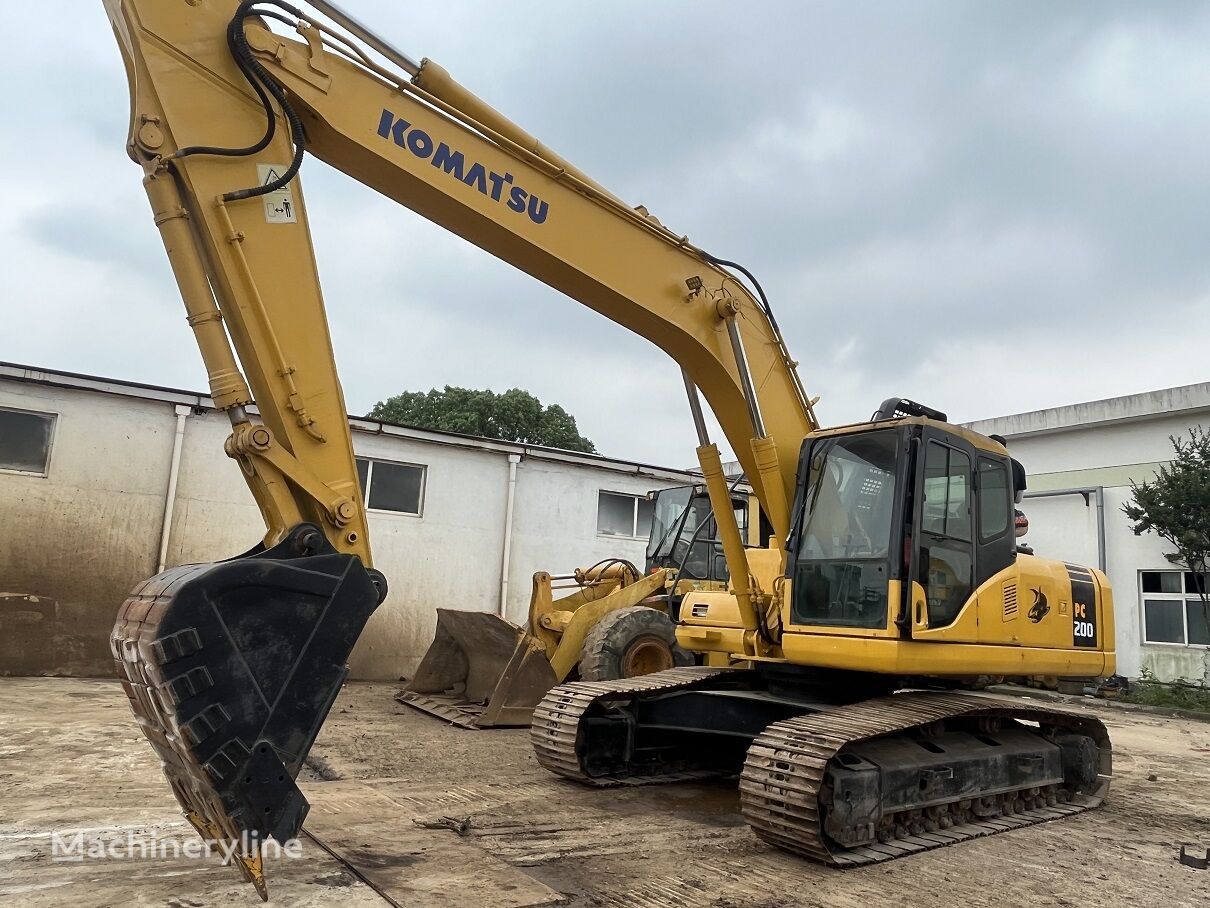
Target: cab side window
x: 946, y: 531
x: 994, y: 495
x: 947, y: 506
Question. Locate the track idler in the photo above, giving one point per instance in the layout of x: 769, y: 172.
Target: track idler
x: 231, y: 669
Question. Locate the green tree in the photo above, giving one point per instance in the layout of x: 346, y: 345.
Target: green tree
x: 1175, y: 505
x: 515, y: 415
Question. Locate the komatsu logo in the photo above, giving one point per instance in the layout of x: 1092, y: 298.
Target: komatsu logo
x: 454, y: 163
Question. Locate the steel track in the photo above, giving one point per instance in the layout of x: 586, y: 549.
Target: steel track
x: 782, y: 788
x: 555, y: 729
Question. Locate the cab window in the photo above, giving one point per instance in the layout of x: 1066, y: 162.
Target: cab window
x: 845, y: 544
x: 947, y: 507
x: 946, y: 531
x: 994, y: 497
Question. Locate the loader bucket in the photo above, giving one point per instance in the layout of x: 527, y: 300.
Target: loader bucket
x: 231, y: 669
x: 480, y: 671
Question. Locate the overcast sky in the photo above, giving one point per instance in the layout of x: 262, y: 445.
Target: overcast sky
x: 989, y: 208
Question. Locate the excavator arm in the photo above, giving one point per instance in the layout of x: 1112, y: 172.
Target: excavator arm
x: 227, y: 98
x: 432, y: 146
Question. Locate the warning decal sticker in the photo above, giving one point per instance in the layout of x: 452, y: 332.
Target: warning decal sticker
x: 279, y: 205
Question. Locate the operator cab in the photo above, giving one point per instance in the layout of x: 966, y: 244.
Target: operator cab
x: 906, y: 497
x: 684, y: 537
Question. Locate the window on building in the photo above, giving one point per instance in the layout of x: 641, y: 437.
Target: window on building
x: 624, y: 515
x: 1172, y: 609
x: 389, y: 486
x: 25, y: 438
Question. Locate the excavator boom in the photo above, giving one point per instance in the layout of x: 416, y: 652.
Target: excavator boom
x: 231, y: 668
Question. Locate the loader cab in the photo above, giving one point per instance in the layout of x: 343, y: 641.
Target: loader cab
x: 684, y: 534
x: 904, y: 499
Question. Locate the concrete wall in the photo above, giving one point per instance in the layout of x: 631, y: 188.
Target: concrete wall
x: 555, y: 524
x: 84, y: 535
x: 1108, y: 455
x: 214, y: 515
x: 448, y: 557
x: 1107, y: 444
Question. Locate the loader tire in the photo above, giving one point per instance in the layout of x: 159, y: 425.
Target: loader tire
x: 631, y: 642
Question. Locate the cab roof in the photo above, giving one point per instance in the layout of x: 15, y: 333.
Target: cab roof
x: 974, y: 439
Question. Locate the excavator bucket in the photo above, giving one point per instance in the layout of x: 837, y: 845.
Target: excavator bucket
x: 231, y: 669
x: 480, y: 671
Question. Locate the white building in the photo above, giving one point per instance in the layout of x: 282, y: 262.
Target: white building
x: 86, y: 478
x: 1080, y: 461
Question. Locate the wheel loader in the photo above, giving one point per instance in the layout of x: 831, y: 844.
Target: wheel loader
x: 483, y: 671
x: 832, y: 668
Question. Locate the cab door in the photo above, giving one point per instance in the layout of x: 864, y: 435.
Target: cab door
x: 943, y: 556
x: 995, y: 527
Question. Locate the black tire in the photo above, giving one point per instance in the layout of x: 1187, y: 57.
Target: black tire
x: 630, y: 642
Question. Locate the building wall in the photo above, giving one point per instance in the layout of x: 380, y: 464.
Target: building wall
x: 555, y: 525
x: 87, y: 533
x: 84, y: 533
x: 1106, y: 454
x: 449, y: 557
x: 1107, y: 444
x: 214, y: 515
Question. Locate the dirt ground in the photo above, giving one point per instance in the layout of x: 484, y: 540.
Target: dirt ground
x: 71, y: 759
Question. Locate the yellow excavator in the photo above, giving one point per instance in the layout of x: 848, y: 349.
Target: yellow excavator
x: 482, y: 671
x: 830, y: 671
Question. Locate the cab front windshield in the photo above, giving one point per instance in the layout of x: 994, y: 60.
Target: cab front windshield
x: 669, y: 508
x: 685, y: 534
x: 844, y: 548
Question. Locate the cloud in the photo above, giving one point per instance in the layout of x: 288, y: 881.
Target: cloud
x: 988, y: 207
x: 95, y: 234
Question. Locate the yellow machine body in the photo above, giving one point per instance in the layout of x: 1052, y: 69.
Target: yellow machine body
x: 993, y: 635
x: 1033, y: 616
x: 563, y: 624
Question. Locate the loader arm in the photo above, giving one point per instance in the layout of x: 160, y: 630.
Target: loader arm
x: 223, y: 108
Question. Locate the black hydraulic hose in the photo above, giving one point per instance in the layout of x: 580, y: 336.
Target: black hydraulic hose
x: 271, y: 127
x: 297, y: 134
x: 265, y: 86
x: 269, y: 14
x: 760, y: 291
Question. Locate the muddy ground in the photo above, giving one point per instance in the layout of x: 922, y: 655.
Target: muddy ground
x: 71, y: 759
